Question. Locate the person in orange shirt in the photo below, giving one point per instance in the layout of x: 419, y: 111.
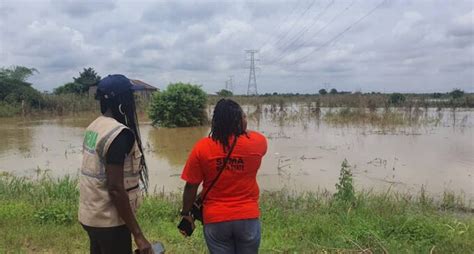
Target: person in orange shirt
x: 231, y: 210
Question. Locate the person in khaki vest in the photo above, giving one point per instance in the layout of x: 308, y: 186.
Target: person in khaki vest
x: 113, y: 172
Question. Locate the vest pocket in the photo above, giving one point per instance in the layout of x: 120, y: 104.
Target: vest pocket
x: 135, y: 198
x: 136, y: 159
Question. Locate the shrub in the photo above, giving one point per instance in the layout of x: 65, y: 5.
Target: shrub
x: 180, y: 105
x: 396, y: 99
x: 345, y: 188
x: 333, y: 91
x: 457, y: 93
x: 55, y: 214
x: 69, y: 88
x: 8, y: 110
x: 224, y: 93
x: 323, y: 92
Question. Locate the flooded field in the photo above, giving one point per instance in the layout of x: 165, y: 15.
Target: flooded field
x: 305, y: 150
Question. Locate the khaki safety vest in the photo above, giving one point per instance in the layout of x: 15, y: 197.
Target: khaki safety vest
x: 95, y: 206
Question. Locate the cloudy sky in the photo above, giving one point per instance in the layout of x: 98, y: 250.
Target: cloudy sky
x: 304, y: 45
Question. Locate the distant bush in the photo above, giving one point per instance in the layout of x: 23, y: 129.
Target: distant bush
x: 69, y: 88
x: 456, y: 93
x: 396, y: 99
x: 224, y: 93
x: 333, y: 91
x: 180, y: 105
x: 323, y: 92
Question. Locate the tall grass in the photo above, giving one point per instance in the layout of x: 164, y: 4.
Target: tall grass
x: 359, y: 100
x: 40, y: 216
x: 71, y: 103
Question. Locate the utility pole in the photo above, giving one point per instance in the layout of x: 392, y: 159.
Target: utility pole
x: 252, y: 86
x: 229, y: 85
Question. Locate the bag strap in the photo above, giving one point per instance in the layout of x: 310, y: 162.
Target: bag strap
x: 220, y: 170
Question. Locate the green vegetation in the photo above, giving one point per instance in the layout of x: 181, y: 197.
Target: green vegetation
x: 345, y: 189
x: 456, y: 93
x: 18, y: 97
x: 180, y: 105
x: 357, y: 100
x: 362, y: 116
x: 87, y: 78
x: 14, y: 88
x: 40, y: 216
x: 396, y: 99
x: 224, y: 93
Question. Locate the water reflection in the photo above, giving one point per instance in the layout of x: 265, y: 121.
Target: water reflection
x: 15, y: 136
x: 304, y: 150
x: 174, y: 144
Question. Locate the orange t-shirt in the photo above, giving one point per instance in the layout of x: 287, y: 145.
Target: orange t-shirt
x: 235, y: 194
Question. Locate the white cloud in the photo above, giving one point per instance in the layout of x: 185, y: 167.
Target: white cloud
x: 419, y: 46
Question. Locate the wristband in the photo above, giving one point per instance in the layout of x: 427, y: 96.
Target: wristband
x: 182, y: 213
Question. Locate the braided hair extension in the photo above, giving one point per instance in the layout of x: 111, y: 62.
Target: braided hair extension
x: 125, y: 103
x: 227, y: 121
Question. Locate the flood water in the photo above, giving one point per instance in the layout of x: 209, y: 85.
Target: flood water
x: 304, y: 153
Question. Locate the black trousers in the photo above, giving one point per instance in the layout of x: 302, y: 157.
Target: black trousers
x: 112, y: 240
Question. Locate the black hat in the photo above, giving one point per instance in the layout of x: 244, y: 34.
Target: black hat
x: 113, y: 85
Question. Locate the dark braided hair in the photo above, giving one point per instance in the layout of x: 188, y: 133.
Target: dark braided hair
x: 226, y: 122
x: 130, y: 119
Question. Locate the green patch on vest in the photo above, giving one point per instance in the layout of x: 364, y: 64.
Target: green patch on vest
x: 90, y: 140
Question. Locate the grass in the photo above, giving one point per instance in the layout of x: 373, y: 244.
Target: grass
x: 40, y: 216
x: 375, y: 100
x: 70, y: 104
x: 383, y: 117
x: 7, y: 110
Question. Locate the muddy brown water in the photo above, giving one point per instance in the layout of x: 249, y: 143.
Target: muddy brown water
x: 304, y: 153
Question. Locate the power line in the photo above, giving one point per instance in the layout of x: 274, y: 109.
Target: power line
x: 296, y: 21
x: 301, y: 33
x: 277, y: 30
x: 339, y: 35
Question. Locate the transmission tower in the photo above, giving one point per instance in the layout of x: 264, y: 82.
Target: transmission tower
x: 229, y: 85
x: 252, y: 86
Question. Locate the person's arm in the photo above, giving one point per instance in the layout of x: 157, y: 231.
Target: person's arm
x: 119, y: 148
x: 189, y: 196
x: 193, y: 175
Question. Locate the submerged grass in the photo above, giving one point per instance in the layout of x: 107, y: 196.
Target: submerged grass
x: 40, y: 216
x: 386, y: 117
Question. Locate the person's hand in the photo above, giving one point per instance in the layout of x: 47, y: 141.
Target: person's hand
x: 144, y: 247
x: 191, y: 220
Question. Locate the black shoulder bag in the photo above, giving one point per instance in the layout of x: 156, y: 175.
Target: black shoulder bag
x: 196, y: 211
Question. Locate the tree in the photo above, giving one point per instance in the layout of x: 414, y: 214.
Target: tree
x: 323, y: 91
x: 396, y: 99
x: 456, y: 93
x: 18, y: 73
x: 224, y: 93
x: 87, y: 78
x: 69, y: 88
x: 14, y: 88
x: 333, y: 91
x: 180, y: 105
